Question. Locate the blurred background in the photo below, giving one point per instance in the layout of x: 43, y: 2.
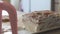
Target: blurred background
x: 28, y: 6
x: 35, y: 5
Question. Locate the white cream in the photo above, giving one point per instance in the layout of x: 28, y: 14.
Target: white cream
x: 4, y: 13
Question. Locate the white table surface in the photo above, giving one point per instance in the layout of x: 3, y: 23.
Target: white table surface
x: 19, y: 32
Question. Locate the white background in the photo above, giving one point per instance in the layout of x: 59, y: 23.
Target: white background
x: 36, y: 5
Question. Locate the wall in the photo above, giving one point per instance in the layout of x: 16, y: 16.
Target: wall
x: 25, y: 5
x: 40, y: 5
x: 15, y: 3
x: 36, y: 5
